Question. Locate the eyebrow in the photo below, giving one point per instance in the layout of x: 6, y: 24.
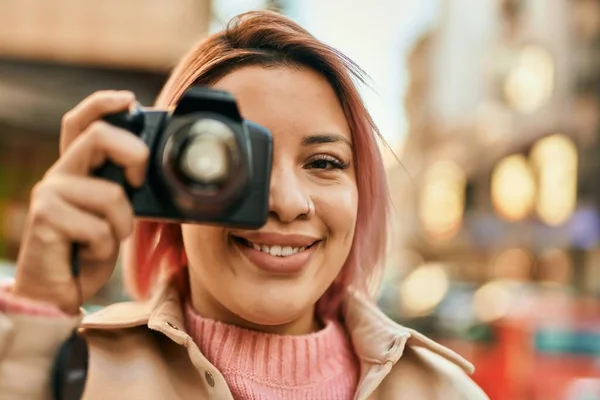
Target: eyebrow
x: 321, y: 138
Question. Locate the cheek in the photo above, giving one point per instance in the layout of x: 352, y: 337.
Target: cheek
x: 204, y: 245
x: 339, y: 211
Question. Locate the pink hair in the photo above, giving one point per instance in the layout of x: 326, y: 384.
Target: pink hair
x: 269, y: 39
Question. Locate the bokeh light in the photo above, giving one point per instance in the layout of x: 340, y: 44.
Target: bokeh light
x: 423, y: 289
x: 555, y: 161
x: 513, y: 188
x: 492, y: 301
x: 530, y: 81
x: 514, y: 264
x: 554, y: 267
x: 442, y: 199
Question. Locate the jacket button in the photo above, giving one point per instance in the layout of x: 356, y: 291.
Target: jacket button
x: 172, y: 326
x: 209, y: 379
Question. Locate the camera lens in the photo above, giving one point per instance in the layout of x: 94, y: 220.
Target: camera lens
x: 205, y: 160
x: 202, y: 164
x: 207, y: 152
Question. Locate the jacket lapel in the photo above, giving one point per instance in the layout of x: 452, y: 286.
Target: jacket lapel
x: 380, y: 342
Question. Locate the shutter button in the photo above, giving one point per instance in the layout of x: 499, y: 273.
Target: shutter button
x: 172, y: 326
x: 209, y: 379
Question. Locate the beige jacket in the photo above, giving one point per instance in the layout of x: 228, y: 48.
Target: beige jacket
x: 141, y: 351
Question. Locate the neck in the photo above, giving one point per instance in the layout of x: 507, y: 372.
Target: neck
x: 208, y: 307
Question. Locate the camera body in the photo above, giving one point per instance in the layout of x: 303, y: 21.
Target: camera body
x: 207, y: 164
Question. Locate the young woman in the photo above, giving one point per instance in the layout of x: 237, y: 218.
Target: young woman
x: 283, y: 312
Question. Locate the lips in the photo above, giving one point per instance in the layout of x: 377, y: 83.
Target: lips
x: 276, y: 253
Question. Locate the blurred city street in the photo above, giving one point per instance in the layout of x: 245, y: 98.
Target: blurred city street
x: 492, y: 108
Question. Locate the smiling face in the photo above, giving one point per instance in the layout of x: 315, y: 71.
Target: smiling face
x: 270, y: 279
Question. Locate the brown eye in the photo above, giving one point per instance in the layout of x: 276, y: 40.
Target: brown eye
x: 326, y: 162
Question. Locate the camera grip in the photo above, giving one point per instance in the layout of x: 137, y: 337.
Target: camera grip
x: 130, y: 121
x: 113, y: 173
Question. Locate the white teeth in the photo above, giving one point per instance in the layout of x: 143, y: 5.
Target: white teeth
x: 276, y: 250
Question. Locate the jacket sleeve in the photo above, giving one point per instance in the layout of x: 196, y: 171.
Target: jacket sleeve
x: 30, y: 335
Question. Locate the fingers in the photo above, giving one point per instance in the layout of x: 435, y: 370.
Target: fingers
x: 102, y: 142
x: 56, y: 220
x: 97, y: 196
x: 91, y: 109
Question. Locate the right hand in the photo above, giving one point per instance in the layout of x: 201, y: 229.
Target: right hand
x: 68, y: 205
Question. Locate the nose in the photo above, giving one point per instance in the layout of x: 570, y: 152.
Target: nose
x: 288, y: 197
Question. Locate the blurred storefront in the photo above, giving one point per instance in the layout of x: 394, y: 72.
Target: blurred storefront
x: 55, y: 53
x: 501, y: 242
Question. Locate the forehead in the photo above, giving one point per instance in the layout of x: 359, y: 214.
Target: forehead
x: 286, y: 99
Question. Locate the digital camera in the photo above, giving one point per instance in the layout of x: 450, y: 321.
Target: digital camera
x: 207, y: 164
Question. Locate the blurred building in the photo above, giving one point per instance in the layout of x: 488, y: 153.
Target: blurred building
x: 501, y: 224
x: 54, y: 53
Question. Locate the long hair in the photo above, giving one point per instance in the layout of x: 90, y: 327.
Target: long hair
x: 268, y: 39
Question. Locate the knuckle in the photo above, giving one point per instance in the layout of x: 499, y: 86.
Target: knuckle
x: 128, y: 223
x: 40, y: 211
x: 101, y: 95
x: 145, y: 153
x: 102, y: 241
x: 68, y: 120
x: 114, y: 194
x: 103, y: 98
x: 97, y: 132
x: 38, y: 189
x: 141, y: 156
x: 99, y: 233
x: 48, y: 185
x: 40, y: 207
x: 104, y: 251
x: 47, y: 188
x: 103, y: 232
x: 97, y: 129
x: 45, y: 236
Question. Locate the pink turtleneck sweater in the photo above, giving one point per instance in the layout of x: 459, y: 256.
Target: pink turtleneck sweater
x: 256, y: 365
x: 259, y: 366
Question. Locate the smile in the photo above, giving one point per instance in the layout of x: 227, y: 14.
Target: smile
x: 274, y: 250
x: 285, y: 257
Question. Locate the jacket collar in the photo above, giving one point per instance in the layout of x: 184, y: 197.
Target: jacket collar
x: 376, y: 338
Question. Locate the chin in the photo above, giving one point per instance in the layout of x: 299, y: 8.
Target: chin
x: 275, y: 307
